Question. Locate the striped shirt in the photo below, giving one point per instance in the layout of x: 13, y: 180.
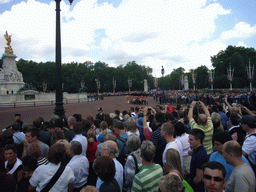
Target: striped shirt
x: 147, y: 179
x: 208, y: 131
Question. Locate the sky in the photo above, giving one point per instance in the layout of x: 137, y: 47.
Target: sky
x: 154, y: 33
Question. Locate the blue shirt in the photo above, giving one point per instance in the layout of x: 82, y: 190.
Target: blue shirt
x: 216, y: 156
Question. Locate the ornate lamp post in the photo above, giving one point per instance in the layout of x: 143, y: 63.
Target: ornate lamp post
x: 98, y: 86
x: 114, y: 85
x: 44, y: 86
x: 59, y: 109
x: 129, y: 84
x: 182, y: 81
x: 211, y: 77
x: 250, y: 73
x: 156, y: 83
x: 230, y: 75
x: 82, y: 84
x: 194, y: 79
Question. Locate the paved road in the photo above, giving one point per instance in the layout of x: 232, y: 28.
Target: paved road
x: 28, y: 114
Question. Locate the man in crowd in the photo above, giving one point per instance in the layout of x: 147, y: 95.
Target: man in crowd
x: 167, y: 131
x: 249, y: 146
x: 157, y: 139
x: 218, y: 141
x: 18, y: 136
x: 147, y: 179
x: 242, y: 177
x: 32, y: 136
x: 214, y: 176
x: 199, y: 157
x: 70, y: 133
x: 122, y: 137
x: 204, y: 124
x: 78, y: 129
x: 79, y: 165
x: 110, y: 149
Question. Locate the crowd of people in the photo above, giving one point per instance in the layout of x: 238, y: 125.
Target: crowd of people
x: 197, y: 147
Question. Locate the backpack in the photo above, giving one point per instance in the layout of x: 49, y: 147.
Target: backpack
x: 123, y: 151
x: 136, y: 164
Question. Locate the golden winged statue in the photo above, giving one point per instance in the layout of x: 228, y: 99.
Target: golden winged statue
x: 8, y: 38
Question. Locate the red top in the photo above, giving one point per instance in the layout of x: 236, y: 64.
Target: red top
x: 91, y: 150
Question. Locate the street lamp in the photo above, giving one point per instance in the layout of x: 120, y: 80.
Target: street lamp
x: 114, y: 85
x: 230, y: 75
x: 250, y: 73
x: 59, y: 109
x: 129, y: 84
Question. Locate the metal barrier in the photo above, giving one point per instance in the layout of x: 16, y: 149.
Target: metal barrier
x: 47, y: 103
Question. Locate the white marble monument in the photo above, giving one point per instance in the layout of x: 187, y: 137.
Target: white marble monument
x: 11, y: 79
x: 186, y: 87
x: 145, y: 85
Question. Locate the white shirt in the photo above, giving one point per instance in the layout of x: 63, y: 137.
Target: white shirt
x: 81, y: 139
x: 249, y: 147
x: 80, y: 167
x: 185, y: 144
x: 175, y: 145
x: 18, y: 137
x: 118, y: 175
x: 44, y: 173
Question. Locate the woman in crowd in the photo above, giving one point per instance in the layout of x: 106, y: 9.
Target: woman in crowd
x: 7, y: 181
x: 44, y: 173
x: 29, y: 166
x: 104, y: 167
x: 13, y: 165
x: 133, y: 161
x: 173, y: 166
x: 90, y: 153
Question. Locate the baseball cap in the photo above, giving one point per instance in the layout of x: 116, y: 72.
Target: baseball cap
x: 248, y: 119
x: 139, y: 122
x: 170, y: 109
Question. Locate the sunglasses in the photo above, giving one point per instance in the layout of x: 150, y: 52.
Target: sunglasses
x: 217, y: 179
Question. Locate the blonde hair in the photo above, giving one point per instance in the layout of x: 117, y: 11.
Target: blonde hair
x: 173, y: 161
x: 91, y: 134
x: 89, y: 188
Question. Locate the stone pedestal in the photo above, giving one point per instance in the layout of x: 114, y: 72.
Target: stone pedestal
x: 11, y: 79
x: 186, y: 87
x: 145, y: 85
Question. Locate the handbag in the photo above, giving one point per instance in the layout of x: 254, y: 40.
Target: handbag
x: 54, y: 179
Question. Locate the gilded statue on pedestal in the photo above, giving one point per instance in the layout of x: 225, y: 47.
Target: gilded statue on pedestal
x: 8, y: 38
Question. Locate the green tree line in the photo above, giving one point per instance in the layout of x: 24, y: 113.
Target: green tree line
x: 73, y: 73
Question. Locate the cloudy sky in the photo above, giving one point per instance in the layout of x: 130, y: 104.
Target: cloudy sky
x: 154, y: 33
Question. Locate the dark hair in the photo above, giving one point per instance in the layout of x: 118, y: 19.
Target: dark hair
x: 10, y: 147
x: 119, y: 125
x: 30, y: 162
x: 179, y: 128
x: 104, y: 167
x: 198, y: 134
x: 56, y: 153
x: 215, y: 165
x: 234, y: 118
x: 169, y: 116
x: 97, y: 122
x: 78, y: 117
x: 222, y: 137
x: 34, y: 132
x: 159, y: 116
x: 16, y: 126
x: 175, y: 114
x: 78, y: 128
x: 37, y: 123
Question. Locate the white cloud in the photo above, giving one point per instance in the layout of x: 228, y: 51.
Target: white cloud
x: 4, y: 1
x: 241, y: 30
x: 242, y: 44
x: 153, y: 33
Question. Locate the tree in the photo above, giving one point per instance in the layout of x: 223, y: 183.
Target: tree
x: 238, y: 58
